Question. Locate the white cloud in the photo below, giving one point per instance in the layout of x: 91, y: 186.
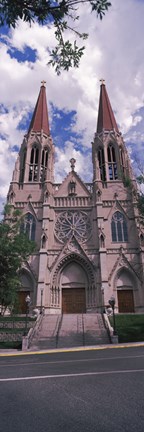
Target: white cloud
x: 62, y: 163
x: 114, y: 51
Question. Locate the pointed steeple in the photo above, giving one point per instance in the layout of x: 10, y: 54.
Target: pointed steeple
x: 40, y: 121
x: 106, y: 119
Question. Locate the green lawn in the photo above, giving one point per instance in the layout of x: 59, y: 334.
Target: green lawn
x: 130, y: 327
x: 11, y: 345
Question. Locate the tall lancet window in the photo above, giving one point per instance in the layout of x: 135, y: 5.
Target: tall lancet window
x: 119, y: 228
x: 122, y: 164
x: 34, y: 160
x: 102, y: 164
x: 22, y: 166
x: 112, y: 163
x: 44, y: 164
x: 28, y: 226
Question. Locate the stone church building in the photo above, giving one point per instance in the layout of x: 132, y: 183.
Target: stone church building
x: 89, y: 243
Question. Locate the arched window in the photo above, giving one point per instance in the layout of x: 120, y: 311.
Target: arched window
x: 101, y: 160
x: 119, y: 228
x: 11, y: 197
x: 43, y: 241
x: 28, y: 226
x: 44, y: 164
x: 34, y: 159
x: 112, y: 164
x: 22, y: 166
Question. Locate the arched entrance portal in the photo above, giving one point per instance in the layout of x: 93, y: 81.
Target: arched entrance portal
x: 73, y: 283
x: 125, y: 292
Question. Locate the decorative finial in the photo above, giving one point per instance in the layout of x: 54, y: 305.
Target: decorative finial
x: 102, y: 81
x: 43, y: 83
x: 72, y: 162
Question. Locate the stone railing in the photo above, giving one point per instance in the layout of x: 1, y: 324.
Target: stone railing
x: 110, y: 330
x: 26, y: 340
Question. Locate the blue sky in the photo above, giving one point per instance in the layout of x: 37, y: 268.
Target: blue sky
x: 114, y: 51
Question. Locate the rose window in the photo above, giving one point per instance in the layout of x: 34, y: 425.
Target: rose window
x: 76, y: 223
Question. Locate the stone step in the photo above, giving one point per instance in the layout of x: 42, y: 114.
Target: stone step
x: 49, y: 326
x: 70, y: 330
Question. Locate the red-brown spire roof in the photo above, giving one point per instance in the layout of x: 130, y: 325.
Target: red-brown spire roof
x: 40, y: 121
x: 106, y: 119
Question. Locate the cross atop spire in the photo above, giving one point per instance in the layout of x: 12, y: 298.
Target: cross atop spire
x: 40, y: 121
x: 106, y: 118
x: 102, y: 81
x: 43, y: 83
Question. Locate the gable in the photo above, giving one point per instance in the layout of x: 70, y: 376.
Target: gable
x: 117, y: 207
x: 65, y: 188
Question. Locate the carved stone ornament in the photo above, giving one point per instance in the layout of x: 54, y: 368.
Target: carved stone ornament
x: 74, y: 247
x: 123, y: 263
x: 73, y: 222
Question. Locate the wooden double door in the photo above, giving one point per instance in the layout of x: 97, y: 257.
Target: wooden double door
x: 125, y: 301
x: 73, y: 300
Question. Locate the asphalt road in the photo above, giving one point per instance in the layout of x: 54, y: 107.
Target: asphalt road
x: 94, y: 391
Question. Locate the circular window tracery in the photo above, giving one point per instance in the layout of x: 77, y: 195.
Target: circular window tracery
x: 76, y: 223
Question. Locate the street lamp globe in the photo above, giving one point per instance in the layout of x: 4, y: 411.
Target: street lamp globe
x: 27, y: 300
x: 112, y: 304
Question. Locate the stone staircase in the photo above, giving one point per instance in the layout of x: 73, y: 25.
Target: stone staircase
x: 46, y: 338
x: 70, y: 330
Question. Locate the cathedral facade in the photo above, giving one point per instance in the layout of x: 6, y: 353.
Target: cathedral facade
x: 89, y: 245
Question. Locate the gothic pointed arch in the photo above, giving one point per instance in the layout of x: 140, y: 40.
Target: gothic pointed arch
x: 73, y: 257
x: 11, y: 197
x: 34, y: 163
x: 44, y: 164
x: 26, y: 279
x: 119, y: 230
x: 28, y: 226
x: 125, y: 276
x: 98, y: 195
x: 43, y: 240
x: 22, y: 164
x: 101, y: 160
x: 102, y: 241
x: 122, y: 160
x: 112, y: 161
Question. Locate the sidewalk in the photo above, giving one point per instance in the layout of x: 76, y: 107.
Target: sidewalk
x: 11, y: 353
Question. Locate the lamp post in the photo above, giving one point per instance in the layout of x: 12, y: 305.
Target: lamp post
x: 41, y: 300
x: 27, y: 300
x: 112, y: 304
x: 102, y: 294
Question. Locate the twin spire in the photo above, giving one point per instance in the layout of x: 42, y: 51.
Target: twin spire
x: 106, y: 120
x: 40, y: 120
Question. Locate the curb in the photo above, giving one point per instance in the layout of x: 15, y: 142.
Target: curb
x: 74, y: 349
